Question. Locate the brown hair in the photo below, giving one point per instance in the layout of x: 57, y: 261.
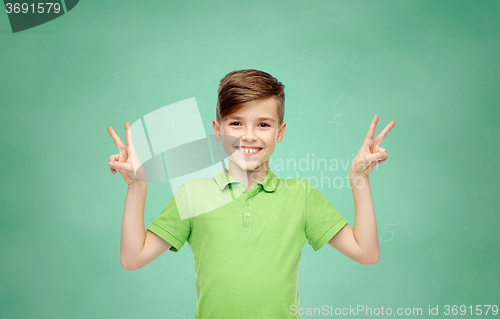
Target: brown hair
x: 239, y: 87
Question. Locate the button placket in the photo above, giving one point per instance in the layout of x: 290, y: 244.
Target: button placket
x: 247, y: 215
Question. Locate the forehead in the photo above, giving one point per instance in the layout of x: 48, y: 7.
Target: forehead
x: 257, y: 109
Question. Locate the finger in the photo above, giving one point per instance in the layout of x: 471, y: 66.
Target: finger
x: 115, y: 137
x: 384, y: 132
x: 112, y: 159
x: 128, y: 135
x: 385, y: 159
x: 110, y: 164
x: 119, y: 166
x: 373, y: 126
x: 375, y: 157
x: 380, y: 162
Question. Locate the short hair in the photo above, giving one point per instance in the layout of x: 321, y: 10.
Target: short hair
x: 241, y: 86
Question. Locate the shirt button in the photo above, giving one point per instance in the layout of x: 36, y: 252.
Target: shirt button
x: 247, y: 214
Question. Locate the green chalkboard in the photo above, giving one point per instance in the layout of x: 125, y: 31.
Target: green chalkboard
x: 430, y: 66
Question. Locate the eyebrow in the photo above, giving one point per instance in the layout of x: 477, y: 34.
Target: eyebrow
x: 260, y: 118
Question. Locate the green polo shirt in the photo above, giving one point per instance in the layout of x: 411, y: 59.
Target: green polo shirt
x: 247, y: 251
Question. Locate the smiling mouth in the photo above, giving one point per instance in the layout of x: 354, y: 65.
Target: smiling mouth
x: 249, y: 150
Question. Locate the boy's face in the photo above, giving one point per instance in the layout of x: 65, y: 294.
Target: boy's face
x: 249, y: 135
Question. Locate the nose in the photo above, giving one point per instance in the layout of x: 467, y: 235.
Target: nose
x: 249, y: 135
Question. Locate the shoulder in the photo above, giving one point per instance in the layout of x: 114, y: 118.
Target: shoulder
x: 194, y: 187
x: 198, y: 183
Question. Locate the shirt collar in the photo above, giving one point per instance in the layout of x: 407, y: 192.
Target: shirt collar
x: 269, y: 182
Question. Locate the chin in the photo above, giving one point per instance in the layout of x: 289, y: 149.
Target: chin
x: 247, y: 166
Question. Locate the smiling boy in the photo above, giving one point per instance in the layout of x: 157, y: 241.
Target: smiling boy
x: 247, y: 251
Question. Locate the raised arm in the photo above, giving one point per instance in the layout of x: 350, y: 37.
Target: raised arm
x: 138, y: 247
x: 361, y: 242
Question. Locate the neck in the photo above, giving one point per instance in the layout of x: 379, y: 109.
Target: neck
x: 248, y: 177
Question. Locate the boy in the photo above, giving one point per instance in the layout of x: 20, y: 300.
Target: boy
x: 247, y: 251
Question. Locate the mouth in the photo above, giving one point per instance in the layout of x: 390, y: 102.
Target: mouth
x: 249, y: 151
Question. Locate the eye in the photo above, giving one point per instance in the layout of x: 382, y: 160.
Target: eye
x: 234, y: 123
x: 266, y: 124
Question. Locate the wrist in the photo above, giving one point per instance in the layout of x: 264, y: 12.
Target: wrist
x: 138, y: 185
x: 356, y: 175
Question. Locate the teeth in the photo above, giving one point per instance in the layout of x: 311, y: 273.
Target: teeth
x: 249, y: 150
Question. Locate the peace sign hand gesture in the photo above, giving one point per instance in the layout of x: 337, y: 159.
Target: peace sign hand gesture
x: 126, y: 161
x: 371, y: 154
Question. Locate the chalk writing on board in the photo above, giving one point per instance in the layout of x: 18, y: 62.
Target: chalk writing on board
x: 340, y: 109
x: 135, y: 77
x: 142, y: 74
x: 337, y: 61
x: 301, y: 111
x: 354, y: 64
x: 335, y: 270
x: 341, y: 25
x: 111, y: 259
x: 353, y: 61
x: 391, y: 233
x: 180, y: 77
x: 302, y: 55
x: 155, y: 268
x: 303, y: 264
x: 115, y: 191
x: 436, y: 293
x: 368, y: 63
x: 270, y: 17
x: 411, y: 287
x: 303, y: 15
x: 344, y: 275
x: 188, y: 267
x: 304, y: 271
x: 132, y: 113
x: 208, y: 79
x: 332, y: 269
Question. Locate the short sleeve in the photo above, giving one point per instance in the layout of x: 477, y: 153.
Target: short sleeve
x: 169, y: 225
x: 322, y: 220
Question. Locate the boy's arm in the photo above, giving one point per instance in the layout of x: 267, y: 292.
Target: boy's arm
x: 138, y: 247
x: 361, y: 242
x: 154, y: 246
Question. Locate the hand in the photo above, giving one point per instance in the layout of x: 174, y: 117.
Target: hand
x: 126, y: 161
x: 371, y: 154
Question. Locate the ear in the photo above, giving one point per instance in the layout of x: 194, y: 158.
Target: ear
x: 216, y: 126
x: 281, y: 132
